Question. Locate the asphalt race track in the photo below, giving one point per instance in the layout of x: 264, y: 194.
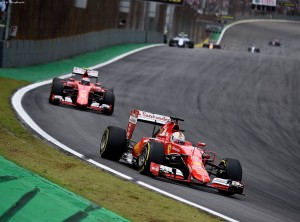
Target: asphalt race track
x: 242, y: 105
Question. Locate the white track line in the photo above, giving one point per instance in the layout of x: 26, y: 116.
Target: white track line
x: 16, y: 101
x: 186, y: 201
x: 251, y: 20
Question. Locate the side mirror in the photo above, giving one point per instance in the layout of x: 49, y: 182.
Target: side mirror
x: 98, y: 84
x: 200, y: 144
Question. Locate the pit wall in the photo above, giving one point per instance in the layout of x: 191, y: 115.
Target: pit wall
x: 19, y: 53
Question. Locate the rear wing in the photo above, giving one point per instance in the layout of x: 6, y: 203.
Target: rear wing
x: 142, y: 116
x: 211, y: 46
x: 81, y: 71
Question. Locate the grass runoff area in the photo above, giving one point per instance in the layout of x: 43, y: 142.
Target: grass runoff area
x: 18, y: 145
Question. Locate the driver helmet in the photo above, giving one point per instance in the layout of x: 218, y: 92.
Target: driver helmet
x: 85, y: 81
x: 178, y: 138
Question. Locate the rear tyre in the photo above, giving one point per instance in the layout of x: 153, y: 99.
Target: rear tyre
x: 113, y: 143
x: 56, y: 89
x: 231, y: 169
x: 151, y: 152
x: 109, y: 99
x: 171, y: 43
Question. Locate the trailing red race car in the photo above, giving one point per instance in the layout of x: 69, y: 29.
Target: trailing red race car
x: 82, y: 93
x: 167, y: 154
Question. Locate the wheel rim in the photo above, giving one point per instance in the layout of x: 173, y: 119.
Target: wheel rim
x: 142, y: 157
x: 222, y: 172
x: 104, y: 141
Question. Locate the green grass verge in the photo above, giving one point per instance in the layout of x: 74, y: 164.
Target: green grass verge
x: 48, y: 70
x: 122, y: 197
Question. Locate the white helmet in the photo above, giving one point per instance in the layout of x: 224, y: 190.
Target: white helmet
x: 178, y: 137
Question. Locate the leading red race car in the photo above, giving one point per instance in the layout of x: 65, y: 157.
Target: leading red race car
x: 82, y: 93
x: 167, y: 154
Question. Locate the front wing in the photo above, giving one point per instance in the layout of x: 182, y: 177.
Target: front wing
x: 217, y: 183
x: 94, y: 106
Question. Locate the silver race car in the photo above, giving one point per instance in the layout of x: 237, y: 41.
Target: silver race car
x: 182, y: 41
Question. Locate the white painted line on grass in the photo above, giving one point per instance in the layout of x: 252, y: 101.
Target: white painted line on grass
x: 109, y: 169
x: 186, y: 201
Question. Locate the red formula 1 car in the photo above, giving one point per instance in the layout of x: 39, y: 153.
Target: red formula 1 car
x: 82, y: 93
x: 167, y: 154
x: 211, y: 46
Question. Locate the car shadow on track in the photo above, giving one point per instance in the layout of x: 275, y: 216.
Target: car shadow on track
x: 193, y: 186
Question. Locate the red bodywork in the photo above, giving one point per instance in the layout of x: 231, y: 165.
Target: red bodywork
x: 192, y: 156
x: 194, y: 160
x: 77, y: 94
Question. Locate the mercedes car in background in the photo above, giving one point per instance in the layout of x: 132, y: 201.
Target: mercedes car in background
x: 182, y: 41
x: 275, y: 42
x: 253, y: 49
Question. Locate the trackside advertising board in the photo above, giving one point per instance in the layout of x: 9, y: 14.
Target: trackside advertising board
x: 176, y: 2
x: 264, y: 2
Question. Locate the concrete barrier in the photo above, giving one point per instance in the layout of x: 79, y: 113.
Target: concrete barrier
x: 18, y: 53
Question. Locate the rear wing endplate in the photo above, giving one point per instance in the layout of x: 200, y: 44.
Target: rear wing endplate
x: 142, y: 116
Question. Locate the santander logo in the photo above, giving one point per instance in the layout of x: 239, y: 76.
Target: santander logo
x: 154, y: 116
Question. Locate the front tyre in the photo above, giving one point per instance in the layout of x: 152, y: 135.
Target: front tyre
x: 113, y: 143
x: 151, y: 152
x: 191, y: 45
x: 230, y: 169
x: 109, y: 99
x: 57, y: 89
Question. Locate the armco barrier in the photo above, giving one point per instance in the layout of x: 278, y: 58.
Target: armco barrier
x: 17, y: 53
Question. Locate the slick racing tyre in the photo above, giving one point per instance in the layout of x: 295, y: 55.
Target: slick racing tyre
x: 151, y: 152
x: 191, y: 45
x: 56, y: 89
x: 113, y: 143
x: 230, y: 169
x: 109, y: 99
x: 172, y: 43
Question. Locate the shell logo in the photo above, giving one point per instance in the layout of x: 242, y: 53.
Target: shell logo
x: 136, y: 148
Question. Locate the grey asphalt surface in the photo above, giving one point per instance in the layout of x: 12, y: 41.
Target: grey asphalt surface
x: 242, y: 105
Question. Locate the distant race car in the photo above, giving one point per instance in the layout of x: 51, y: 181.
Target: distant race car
x: 211, y: 46
x: 181, y: 40
x: 167, y: 154
x: 275, y: 42
x: 82, y: 93
x: 253, y: 49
